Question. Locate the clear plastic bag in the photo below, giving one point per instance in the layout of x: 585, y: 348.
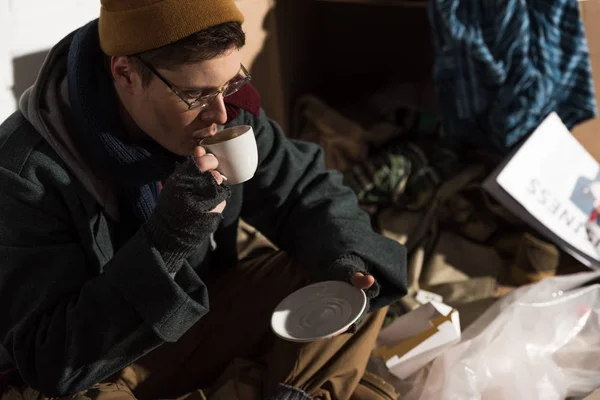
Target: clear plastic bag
x: 541, y: 341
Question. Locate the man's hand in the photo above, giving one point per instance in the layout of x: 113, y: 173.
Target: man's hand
x: 208, y: 162
x: 188, y: 210
x: 362, y: 281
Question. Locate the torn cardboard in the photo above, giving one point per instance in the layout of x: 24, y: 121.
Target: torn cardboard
x: 416, y: 338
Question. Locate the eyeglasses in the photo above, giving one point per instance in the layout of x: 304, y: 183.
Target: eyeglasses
x: 203, y: 97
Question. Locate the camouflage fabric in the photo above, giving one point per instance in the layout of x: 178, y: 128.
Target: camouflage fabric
x: 399, y: 175
x: 406, y: 169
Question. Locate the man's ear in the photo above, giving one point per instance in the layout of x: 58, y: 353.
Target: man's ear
x: 123, y: 71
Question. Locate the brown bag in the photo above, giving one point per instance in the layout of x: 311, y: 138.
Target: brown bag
x: 342, y: 139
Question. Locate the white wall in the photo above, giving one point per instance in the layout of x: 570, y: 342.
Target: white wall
x: 28, y: 28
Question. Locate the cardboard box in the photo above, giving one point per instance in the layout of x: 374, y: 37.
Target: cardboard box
x: 262, y: 57
x: 416, y: 338
x: 588, y: 133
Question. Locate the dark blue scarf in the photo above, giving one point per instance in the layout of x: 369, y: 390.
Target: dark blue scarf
x: 136, y: 167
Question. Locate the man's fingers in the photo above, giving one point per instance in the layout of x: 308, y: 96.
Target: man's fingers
x: 199, y: 151
x: 219, y: 209
x: 218, y: 177
x: 362, y: 281
x: 207, y: 162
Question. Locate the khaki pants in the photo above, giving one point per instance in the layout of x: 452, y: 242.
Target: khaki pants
x: 232, y: 354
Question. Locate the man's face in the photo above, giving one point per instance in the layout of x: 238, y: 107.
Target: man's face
x: 161, y: 114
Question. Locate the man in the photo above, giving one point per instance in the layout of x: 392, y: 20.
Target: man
x: 117, y: 233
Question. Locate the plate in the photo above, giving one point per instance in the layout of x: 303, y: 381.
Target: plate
x: 318, y: 311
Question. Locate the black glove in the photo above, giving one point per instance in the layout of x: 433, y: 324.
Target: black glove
x: 343, y: 269
x: 182, y: 219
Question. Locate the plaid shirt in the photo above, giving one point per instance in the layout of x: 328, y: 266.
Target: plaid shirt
x: 503, y: 65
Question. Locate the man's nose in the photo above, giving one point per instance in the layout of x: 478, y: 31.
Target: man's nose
x: 215, y: 111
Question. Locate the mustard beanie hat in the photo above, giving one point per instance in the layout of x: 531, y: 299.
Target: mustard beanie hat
x: 133, y: 26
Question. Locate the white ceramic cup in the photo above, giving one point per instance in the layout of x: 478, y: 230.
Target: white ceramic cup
x: 235, y: 148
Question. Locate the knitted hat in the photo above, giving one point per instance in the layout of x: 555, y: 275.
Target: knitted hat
x: 132, y: 26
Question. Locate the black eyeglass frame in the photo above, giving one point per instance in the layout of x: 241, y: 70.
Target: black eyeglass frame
x: 202, y: 100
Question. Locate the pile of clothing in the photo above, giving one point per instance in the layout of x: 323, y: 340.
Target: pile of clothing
x: 425, y: 194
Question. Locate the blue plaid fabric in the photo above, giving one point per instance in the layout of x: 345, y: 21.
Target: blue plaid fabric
x: 503, y: 65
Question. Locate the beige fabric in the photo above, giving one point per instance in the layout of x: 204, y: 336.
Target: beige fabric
x: 342, y: 139
x: 373, y: 387
x: 466, y: 248
x: 441, y: 261
x: 251, y: 241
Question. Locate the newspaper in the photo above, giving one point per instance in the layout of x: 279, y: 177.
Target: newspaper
x: 553, y: 184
